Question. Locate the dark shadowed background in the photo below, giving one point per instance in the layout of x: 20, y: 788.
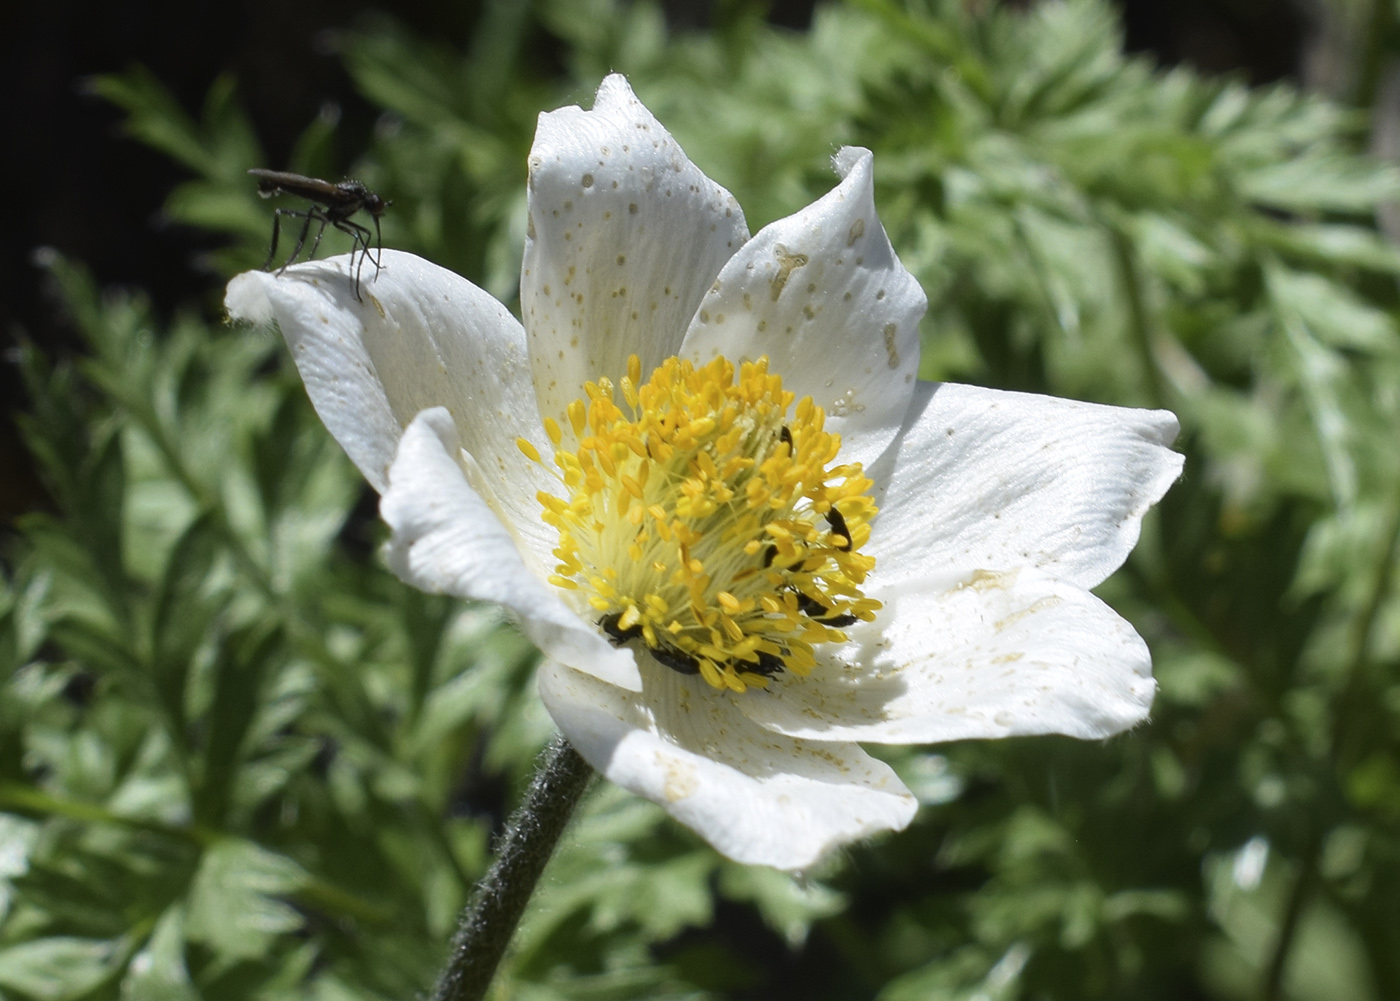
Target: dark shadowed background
x: 72, y: 180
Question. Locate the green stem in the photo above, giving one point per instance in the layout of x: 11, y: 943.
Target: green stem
x: 1344, y: 738
x: 26, y: 800
x: 1353, y: 687
x: 489, y: 921
x: 1376, y: 44
x: 1131, y: 277
x: 1288, y: 927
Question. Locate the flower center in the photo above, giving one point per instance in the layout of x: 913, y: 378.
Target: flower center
x: 705, y: 522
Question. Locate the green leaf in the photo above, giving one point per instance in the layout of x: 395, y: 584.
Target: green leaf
x: 182, y: 613
x: 788, y: 905
x: 158, y: 972
x: 245, y: 658
x: 1328, y: 181
x: 235, y: 905
x: 59, y: 968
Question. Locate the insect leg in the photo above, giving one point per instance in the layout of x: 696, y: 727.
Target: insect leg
x: 319, y: 233
x: 276, y: 232
x: 379, y: 248
x: 360, y: 235
x: 306, y: 227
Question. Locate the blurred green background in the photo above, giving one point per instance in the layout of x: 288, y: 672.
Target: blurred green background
x: 238, y: 760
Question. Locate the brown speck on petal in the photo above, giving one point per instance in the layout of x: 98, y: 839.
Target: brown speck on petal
x: 787, y: 263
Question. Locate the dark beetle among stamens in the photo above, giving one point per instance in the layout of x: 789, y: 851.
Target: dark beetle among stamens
x: 335, y: 204
x: 676, y: 660
x: 616, y: 634
x: 814, y: 609
x: 768, y: 665
x: 837, y: 521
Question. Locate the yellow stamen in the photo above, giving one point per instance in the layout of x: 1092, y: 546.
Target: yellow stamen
x: 705, y: 521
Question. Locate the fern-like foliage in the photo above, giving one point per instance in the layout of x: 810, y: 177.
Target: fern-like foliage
x: 238, y: 760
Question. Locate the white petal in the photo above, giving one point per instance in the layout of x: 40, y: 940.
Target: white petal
x: 997, y: 655
x: 446, y: 540
x: 423, y: 337
x: 624, y: 236
x: 822, y: 294
x: 758, y: 797
x: 982, y: 479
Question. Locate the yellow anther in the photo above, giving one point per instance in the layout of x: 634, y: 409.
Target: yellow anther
x: 551, y: 503
x: 578, y: 414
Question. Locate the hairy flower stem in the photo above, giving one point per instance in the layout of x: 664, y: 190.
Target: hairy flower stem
x: 489, y: 921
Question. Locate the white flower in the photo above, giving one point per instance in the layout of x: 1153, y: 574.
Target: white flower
x: 693, y: 507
